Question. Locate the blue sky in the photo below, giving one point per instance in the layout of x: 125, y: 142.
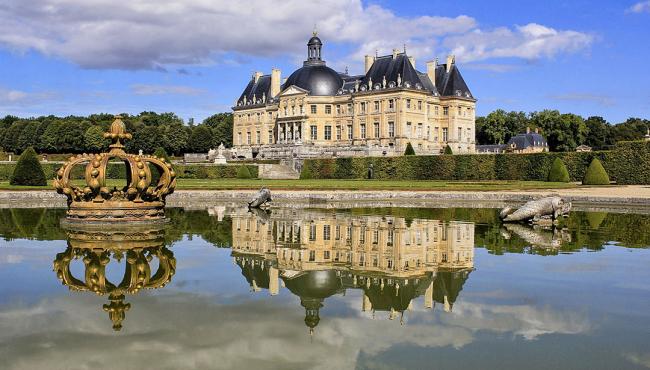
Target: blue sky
x: 194, y: 57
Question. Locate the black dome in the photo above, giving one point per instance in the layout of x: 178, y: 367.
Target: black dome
x: 315, y: 284
x: 317, y: 79
x: 314, y: 40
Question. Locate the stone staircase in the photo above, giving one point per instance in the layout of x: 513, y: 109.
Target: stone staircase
x: 277, y: 172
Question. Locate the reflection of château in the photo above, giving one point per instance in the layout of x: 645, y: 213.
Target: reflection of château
x: 392, y: 259
x: 97, y: 248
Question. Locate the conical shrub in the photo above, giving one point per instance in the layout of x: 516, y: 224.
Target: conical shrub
x: 243, y: 172
x: 558, y: 172
x: 448, y: 150
x: 28, y: 171
x: 596, y: 174
x: 409, y: 149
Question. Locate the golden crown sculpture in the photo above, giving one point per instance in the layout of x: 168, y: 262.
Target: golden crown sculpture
x: 96, y: 248
x: 139, y: 200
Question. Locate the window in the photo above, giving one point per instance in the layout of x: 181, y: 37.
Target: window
x: 258, y: 137
x: 391, y: 104
x: 419, y: 132
x: 328, y: 132
x: 362, y: 107
x: 337, y: 231
x: 338, y: 132
x: 445, y: 132
x: 375, y: 236
x: 326, y: 255
x: 313, y: 109
x: 377, y: 129
x: 436, y: 110
x: 391, y: 236
x: 460, y: 133
x: 445, y: 111
x: 312, y: 256
x: 459, y: 111
x: 362, y: 236
x: 270, y: 136
x: 409, y: 129
x: 270, y: 116
x: 391, y: 129
x: 408, y: 103
x: 293, y: 110
x: 349, y: 132
x: 338, y: 109
x: 349, y: 108
x: 419, y: 104
x: 363, y: 130
x: 248, y: 137
x: 328, y: 109
x: 326, y: 232
x: 312, y: 232
x: 314, y: 132
x: 348, y: 236
x: 286, y: 111
x: 435, y: 133
x: 428, y: 132
x: 302, y: 109
x: 239, y: 138
x: 377, y: 106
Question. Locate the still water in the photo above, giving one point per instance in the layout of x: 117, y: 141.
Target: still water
x: 325, y: 289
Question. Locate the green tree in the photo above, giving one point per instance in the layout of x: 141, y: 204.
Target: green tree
x: 10, y: 142
x: 145, y: 138
x: 221, y: 125
x: 28, y: 171
x: 29, y: 136
x: 94, y: 140
x: 161, y: 153
x: 631, y: 129
x: 596, y: 174
x: 201, y: 139
x: 448, y: 150
x: 598, y: 132
x: 409, y: 149
x: 175, y: 137
x: 563, y: 131
x: 558, y: 172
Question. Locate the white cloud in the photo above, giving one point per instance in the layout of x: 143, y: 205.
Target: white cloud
x: 144, y: 89
x: 585, y: 98
x: 12, y: 97
x: 148, y: 34
x: 530, y: 42
x: 640, y: 7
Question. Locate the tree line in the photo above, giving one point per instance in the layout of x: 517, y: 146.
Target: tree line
x: 79, y: 134
x: 563, y: 131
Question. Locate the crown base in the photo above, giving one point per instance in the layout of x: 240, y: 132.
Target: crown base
x: 116, y: 212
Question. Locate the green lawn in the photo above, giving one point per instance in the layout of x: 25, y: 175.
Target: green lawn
x: 225, y: 184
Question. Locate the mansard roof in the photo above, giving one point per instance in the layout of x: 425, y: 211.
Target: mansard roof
x: 452, y: 83
x: 257, y: 89
x: 391, y: 68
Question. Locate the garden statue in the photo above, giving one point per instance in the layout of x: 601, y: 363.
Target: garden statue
x: 537, y: 236
x: 545, y: 210
x: 371, y: 171
x: 263, y: 197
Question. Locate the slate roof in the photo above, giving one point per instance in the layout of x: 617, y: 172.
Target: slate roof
x: 259, y: 88
x: 452, y: 83
x: 531, y: 139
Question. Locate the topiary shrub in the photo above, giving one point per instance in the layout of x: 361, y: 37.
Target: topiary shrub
x: 28, y: 171
x: 161, y: 153
x: 596, y: 174
x: 448, y: 150
x: 243, y: 172
x: 409, y: 149
x: 558, y: 172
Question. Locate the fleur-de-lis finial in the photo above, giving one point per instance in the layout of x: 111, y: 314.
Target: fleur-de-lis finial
x: 315, y: 31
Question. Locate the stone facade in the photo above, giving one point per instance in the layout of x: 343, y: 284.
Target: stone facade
x: 375, y: 114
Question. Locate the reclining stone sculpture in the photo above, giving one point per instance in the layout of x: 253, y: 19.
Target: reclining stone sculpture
x: 544, y: 210
x: 263, y: 197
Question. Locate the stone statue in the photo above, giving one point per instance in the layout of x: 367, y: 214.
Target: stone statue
x: 383, y: 83
x: 263, y: 197
x: 140, y: 152
x: 370, y: 83
x: 399, y: 80
x: 371, y: 171
x: 537, y: 236
x: 220, y: 158
x: 540, y: 211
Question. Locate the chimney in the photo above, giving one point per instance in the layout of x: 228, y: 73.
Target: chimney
x: 257, y: 76
x: 412, y: 60
x: 450, y: 60
x: 275, y: 82
x: 431, y: 70
x: 395, y: 52
x: 528, y: 130
x: 369, y: 61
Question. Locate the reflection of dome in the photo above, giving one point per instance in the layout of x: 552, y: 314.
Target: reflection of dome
x: 255, y: 271
x: 313, y: 287
x: 317, y: 79
x: 396, y: 295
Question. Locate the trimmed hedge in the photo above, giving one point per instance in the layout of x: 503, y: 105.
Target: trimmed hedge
x: 117, y: 171
x: 558, y: 172
x: 627, y: 163
x: 28, y: 170
x: 596, y: 174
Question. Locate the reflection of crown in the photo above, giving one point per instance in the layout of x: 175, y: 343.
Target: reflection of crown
x: 141, y: 199
x: 96, y: 249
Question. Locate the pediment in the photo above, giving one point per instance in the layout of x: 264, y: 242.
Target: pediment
x: 293, y: 90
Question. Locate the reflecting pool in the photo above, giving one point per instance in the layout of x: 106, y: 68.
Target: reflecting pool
x: 393, y: 288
